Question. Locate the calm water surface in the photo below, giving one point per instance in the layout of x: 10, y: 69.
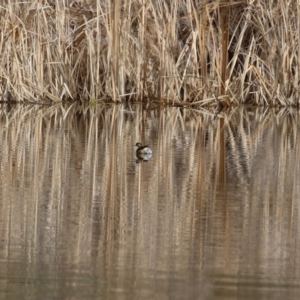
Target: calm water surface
x: 213, y: 214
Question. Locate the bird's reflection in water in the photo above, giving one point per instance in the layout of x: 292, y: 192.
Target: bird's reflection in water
x: 143, y: 157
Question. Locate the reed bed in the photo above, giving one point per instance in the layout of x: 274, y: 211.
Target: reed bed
x: 179, y: 52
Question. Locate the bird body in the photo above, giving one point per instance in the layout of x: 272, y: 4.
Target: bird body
x: 142, y: 150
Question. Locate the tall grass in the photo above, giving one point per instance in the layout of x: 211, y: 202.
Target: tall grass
x: 167, y: 51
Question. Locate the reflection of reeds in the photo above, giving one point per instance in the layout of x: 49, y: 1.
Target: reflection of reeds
x: 69, y: 182
x: 161, y: 51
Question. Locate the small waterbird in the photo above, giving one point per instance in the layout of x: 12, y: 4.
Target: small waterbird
x: 142, y: 151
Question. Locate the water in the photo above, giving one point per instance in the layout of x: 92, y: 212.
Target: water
x: 213, y: 214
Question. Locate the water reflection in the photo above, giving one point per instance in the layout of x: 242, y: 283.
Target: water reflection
x: 212, y: 214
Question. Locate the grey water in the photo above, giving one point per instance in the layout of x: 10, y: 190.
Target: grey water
x: 212, y: 214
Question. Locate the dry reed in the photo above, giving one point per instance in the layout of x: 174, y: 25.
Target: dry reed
x: 167, y: 51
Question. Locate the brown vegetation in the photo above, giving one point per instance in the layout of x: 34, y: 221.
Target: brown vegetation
x: 169, y: 51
